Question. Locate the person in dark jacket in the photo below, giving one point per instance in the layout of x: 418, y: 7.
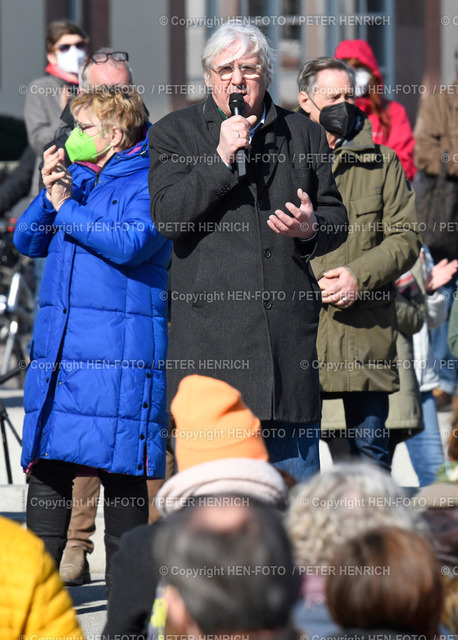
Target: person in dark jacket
x: 245, y: 303
x: 17, y: 184
x: 95, y: 390
x: 227, y: 571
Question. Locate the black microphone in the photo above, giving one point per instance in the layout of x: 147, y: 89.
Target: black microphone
x: 237, y: 107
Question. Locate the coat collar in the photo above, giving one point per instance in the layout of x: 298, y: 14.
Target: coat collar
x: 361, y: 140
x: 214, y: 118
x: 361, y: 146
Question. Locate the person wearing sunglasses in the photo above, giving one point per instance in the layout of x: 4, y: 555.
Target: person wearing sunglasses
x: 106, y: 68
x: 46, y: 97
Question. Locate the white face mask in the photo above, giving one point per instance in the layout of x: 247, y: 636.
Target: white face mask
x: 362, y: 79
x: 71, y: 60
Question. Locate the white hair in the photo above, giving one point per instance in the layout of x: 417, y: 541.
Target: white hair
x: 251, y: 40
x: 339, y: 504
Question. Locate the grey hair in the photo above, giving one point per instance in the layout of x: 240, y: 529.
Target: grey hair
x: 337, y: 505
x: 306, y: 79
x: 251, y: 40
x: 83, y: 77
x: 189, y: 543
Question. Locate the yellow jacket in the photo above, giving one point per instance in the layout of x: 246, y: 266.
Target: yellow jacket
x: 34, y: 605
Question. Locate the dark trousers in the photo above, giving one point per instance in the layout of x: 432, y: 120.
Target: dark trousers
x: 366, y: 436
x: 49, y: 506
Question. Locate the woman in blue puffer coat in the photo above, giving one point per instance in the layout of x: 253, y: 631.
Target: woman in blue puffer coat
x: 95, y: 389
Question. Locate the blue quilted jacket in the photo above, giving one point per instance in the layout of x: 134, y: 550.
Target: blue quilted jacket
x: 95, y: 389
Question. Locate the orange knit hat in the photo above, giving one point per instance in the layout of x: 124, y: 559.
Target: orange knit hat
x: 213, y: 423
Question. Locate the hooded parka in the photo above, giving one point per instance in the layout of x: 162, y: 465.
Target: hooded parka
x: 95, y: 389
x: 400, y: 136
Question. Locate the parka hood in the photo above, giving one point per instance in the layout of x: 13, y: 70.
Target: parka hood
x: 362, y: 51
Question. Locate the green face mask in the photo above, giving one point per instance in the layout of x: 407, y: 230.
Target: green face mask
x: 81, y: 147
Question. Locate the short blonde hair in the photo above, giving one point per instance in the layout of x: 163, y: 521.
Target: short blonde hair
x: 120, y: 107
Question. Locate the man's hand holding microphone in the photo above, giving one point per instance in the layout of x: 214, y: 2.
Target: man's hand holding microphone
x: 235, y: 134
x: 234, y: 138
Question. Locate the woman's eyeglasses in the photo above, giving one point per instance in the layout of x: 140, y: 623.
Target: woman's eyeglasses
x: 63, y: 48
x: 82, y: 127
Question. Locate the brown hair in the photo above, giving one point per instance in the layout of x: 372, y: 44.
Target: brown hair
x: 450, y: 613
x: 386, y: 579
x: 379, y: 105
x: 452, y: 441
x: 60, y: 28
x: 120, y: 107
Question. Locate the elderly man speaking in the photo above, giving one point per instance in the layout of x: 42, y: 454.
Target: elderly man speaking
x: 248, y: 197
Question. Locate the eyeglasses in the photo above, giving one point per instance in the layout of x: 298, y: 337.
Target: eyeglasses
x: 63, y: 48
x: 248, y: 71
x: 100, y: 58
x: 82, y: 127
x: 117, y: 56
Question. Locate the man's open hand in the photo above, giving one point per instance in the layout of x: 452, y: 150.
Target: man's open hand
x: 302, y: 225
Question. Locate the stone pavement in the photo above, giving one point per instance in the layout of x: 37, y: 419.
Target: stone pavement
x: 90, y: 600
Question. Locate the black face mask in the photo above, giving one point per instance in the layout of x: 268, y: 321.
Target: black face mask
x: 338, y: 118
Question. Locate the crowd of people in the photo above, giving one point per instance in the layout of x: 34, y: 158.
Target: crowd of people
x: 289, y: 245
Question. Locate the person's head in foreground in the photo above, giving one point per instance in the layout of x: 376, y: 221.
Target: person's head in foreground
x: 227, y: 570
x: 335, y: 505
x: 219, y: 448
x: 386, y: 579
x: 107, y: 120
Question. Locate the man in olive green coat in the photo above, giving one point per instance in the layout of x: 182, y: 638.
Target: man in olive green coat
x: 357, y: 327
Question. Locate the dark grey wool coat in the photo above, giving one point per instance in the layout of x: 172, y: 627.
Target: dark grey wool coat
x: 245, y: 302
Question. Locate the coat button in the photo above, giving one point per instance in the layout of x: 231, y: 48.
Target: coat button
x: 139, y: 467
x: 114, y: 202
x: 64, y: 310
x: 60, y: 382
x: 260, y: 203
x: 267, y: 253
x: 47, y: 379
x: 148, y: 375
x: 268, y: 305
x: 142, y: 437
x: 145, y: 405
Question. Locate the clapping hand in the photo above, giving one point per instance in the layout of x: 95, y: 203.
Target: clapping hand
x: 57, y: 180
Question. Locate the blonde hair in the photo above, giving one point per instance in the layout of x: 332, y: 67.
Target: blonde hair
x: 120, y: 107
